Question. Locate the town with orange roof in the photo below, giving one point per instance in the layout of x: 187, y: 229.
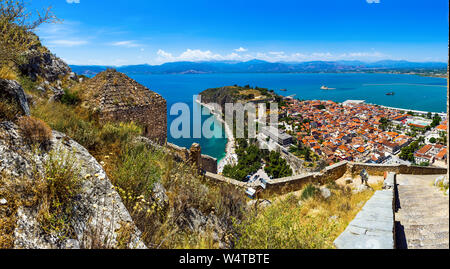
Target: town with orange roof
x: 360, y: 132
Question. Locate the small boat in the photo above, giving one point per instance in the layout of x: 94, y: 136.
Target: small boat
x: 283, y: 90
x: 326, y: 88
x: 390, y: 93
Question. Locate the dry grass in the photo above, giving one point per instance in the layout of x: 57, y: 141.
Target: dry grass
x: 309, y: 223
x: 8, y: 110
x: 134, y: 175
x: 134, y: 169
x: 7, y: 72
x: 57, y: 190
x: 35, y: 131
x: 255, y: 93
x: 17, y: 191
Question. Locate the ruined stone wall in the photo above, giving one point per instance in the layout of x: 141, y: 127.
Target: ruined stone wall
x: 379, y: 169
x: 207, y: 163
x: 218, y: 179
x: 181, y: 154
x: 294, y: 183
x: 152, y: 117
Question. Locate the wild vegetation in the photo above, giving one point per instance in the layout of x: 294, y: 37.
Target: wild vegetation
x: 165, y: 198
x: 302, y: 220
x: 251, y: 158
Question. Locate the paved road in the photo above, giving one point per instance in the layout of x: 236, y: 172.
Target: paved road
x: 422, y: 215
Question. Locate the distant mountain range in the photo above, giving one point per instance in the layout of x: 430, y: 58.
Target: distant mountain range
x: 259, y: 66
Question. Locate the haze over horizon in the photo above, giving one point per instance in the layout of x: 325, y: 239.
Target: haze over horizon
x: 121, y: 33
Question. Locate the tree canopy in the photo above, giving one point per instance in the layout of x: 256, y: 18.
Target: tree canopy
x: 16, y: 24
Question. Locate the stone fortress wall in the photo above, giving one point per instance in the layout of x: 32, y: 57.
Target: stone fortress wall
x: 153, y: 118
x: 205, y: 162
x: 282, y: 186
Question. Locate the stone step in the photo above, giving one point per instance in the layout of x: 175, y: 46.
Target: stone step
x: 424, y: 221
x: 418, y: 189
x: 410, y: 216
x: 431, y: 210
x: 429, y: 237
x: 427, y: 227
x: 407, y: 195
x: 419, y: 244
x: 424, y: 209
x: 421, y: 196
x: 419, y: 202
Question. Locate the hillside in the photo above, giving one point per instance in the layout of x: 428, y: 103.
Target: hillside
x: 233, y: 94
x: 259, y: 66
x: 72, y: 179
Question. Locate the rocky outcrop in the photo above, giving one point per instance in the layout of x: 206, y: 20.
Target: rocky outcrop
x: 100, y: 215
x: 194, y: 220
x: 12, y: 91
x: 40, y: 62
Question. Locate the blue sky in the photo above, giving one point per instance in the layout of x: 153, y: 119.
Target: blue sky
x: 119, y: 32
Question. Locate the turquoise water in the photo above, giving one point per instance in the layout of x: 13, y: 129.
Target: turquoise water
x: 411, y: 92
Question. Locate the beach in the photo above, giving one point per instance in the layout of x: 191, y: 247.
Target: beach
x: 230, y: 149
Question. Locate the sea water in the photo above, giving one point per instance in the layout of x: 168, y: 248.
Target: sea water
x: 411, y: 92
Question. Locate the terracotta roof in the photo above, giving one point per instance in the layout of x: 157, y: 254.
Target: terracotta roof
x: 424, y: 149
x: 441, y: 154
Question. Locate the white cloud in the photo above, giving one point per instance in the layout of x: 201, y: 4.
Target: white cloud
x: 73, y: 1
x: 241, y: 49
x: 65, y: 34
x: 373, y: 1
x: 127, y: 43
x: 197, y: 55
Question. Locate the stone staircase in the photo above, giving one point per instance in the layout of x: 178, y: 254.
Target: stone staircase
x: 422, y: 215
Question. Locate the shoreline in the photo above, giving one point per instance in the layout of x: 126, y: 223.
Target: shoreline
x: 230, y: 149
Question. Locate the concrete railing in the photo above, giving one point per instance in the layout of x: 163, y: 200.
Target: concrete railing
x: 374, y: 226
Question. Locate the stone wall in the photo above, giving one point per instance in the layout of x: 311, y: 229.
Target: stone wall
x: 294, y: 183
x: 152, y: 117
x: 207, y: 163
x: 180, y: 153
x: 379, y: 169
x: 295, y: 163
x: 218, y: 179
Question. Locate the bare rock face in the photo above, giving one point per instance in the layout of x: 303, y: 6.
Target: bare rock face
x: 194, y: 220
x: 45, y: 65
x: 13, y: 92
x: 100, y: 215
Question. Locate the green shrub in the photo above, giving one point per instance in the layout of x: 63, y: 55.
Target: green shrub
x: 137, y: 171
x: 70, y: 98
x: 283, y: 226
x: 123, y: 132
x: 57, y: 190
x: 309, y: 191
x: 27, y: 84
x: 8, y: 110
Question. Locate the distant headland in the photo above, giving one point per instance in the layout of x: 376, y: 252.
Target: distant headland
x: 431, y: 69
